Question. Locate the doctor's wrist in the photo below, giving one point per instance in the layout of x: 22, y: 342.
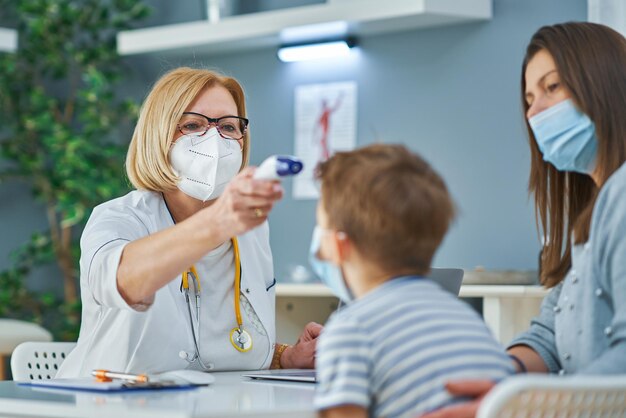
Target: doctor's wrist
x: 279, y: 352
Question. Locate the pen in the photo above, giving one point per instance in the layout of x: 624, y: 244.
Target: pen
x: 108, y: 376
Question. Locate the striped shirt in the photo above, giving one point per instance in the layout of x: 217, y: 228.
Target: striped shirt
x: 392, y: 350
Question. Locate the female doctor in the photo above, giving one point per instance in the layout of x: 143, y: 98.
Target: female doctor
x: 178, y: 273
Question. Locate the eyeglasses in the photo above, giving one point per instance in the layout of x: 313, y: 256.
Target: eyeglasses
x: 196, y: 124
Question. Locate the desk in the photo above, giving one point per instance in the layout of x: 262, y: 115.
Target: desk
x: 507, y: 309
x: 230, y: 396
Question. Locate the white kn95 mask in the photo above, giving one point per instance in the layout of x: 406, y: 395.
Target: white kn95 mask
x: 205, y: 164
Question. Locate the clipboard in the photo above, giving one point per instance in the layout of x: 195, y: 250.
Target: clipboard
x: 92, y: 385
x: 110, y: 381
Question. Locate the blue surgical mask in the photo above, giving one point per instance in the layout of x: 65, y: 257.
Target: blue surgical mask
x: 566, y: 137
x: 329, y: 273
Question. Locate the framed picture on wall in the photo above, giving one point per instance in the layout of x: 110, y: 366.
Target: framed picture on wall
x: 325, y: 122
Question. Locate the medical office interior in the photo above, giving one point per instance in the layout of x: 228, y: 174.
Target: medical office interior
x: 441, y: 77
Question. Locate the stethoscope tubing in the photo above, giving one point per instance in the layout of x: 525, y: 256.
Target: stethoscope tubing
x: 193, y: 334
x: 196, y: 284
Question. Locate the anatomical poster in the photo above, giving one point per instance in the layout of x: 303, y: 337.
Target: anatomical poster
x: 325, y: 122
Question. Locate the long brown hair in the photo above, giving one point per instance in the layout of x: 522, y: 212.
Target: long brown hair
x: 591, y: 62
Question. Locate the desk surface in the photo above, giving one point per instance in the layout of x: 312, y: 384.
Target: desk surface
x: 230, y: 396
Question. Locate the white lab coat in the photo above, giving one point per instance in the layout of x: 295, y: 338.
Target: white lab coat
x: 116, y: 336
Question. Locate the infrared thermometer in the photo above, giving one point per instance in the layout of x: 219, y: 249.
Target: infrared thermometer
x: 278, y: 166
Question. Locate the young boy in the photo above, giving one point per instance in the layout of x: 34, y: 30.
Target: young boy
x: 382, y: 214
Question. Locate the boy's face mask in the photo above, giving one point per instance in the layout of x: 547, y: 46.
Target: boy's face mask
x: 329, y: 273
x: 566, y: 137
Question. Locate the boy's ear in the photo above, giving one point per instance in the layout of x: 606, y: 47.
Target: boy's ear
x: 343, y: 247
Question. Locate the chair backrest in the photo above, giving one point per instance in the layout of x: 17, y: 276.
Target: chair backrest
x: 541, y: 396
x: 37, y: 360
x: 449, y: 279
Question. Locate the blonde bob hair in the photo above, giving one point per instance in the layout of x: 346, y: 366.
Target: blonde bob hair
x: 147, y: 161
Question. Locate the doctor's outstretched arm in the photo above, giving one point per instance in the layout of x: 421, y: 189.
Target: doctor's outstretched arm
x: 150, y: 263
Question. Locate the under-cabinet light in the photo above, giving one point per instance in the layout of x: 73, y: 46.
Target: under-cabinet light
x: 317, y: 50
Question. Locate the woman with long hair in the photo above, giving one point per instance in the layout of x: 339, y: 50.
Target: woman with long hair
x: 574, y: 98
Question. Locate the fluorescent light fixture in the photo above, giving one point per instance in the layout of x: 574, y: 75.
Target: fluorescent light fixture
x: 318, y: 50
x: 8, y: 40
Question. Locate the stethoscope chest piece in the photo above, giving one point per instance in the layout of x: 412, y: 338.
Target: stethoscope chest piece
x: 241, y: 339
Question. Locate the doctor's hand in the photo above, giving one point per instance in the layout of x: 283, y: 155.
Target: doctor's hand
x: 302, y: 354
x: 245, y: 203
x: 472, y: 388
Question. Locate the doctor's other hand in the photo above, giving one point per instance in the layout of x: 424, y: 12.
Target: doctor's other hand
x: 245, y: 203
x: 468, y: 388
x: 301, y: 355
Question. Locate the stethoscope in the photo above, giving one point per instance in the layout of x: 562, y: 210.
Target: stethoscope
x: 239, y: 337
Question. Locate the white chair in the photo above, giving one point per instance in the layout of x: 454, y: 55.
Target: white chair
x: 14, y: 332
x: 34, y: 360
x: 541, y: 396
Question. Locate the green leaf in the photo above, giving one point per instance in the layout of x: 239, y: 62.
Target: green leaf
x: 60, y: 118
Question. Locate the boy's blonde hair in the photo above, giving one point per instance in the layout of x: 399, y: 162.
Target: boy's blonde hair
x: 392, y: 205
x: 147, y: 161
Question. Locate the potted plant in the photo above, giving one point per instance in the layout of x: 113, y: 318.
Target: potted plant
x: 62, y: 127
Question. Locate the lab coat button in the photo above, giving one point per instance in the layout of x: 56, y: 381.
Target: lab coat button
x: 571, y: 307
x: 561, y: 372
x: 575, y: 279
x: 567, y: 356
x: 599, y: 292
x: 556, y: 309
x: 608, y: 331
x: 247, y: 290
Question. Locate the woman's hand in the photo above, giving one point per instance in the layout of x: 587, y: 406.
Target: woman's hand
x: 245, y: 203
x: 302, y: 354
x: 469, y: 388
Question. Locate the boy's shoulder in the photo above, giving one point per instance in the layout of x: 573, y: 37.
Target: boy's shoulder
x: 407, y: 293
x: 414, y: 290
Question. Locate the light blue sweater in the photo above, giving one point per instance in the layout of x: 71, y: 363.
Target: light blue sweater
x: 582, y: 325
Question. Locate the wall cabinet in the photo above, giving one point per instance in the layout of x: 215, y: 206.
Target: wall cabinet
x: 263, y: 29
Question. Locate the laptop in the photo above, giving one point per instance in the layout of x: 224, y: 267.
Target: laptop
x: 293, y: 375
x: 448, y: 279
